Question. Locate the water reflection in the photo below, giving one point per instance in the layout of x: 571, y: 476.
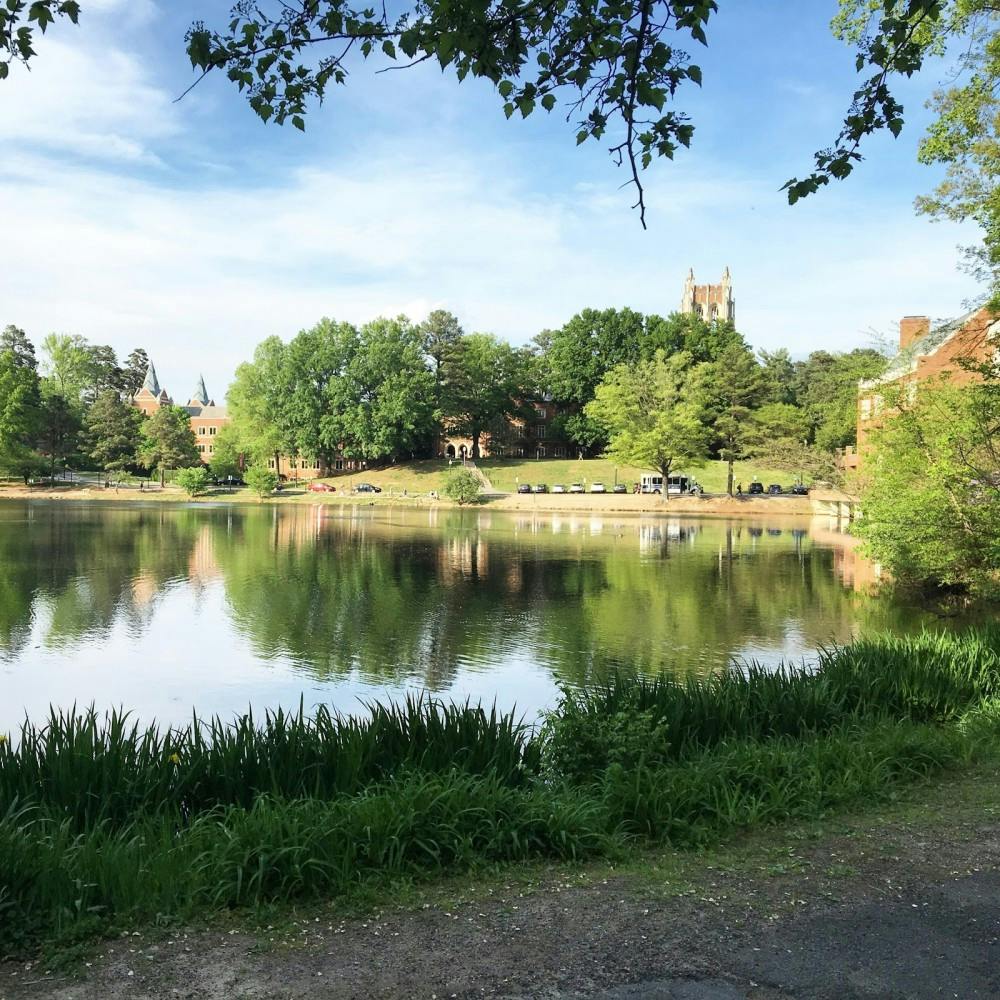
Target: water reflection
x: 165, y: 608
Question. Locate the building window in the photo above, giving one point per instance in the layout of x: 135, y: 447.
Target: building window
x: 212, y: 430
x: 211, y: 449
x: 540, y: 432
x: 201, y: 430
x: 339, y: 465
x: 270, y: 463
x: 866, y: 409
x: 201, y: 448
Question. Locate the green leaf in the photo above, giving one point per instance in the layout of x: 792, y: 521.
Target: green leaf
x: 548, y: 102
x: 298, y: 123
x: 389, y: 49
x: 505, y: 88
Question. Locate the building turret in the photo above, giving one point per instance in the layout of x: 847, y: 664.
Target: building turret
x: 200, y: 395
x: 710, y: 302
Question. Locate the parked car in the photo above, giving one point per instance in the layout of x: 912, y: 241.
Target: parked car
x: 799, y: 490
x: 756, y: 488
x: 576, y: 488
x: 775, y: 489
x: 367, y: 488
x: 317, y: 487
x: 620, y: 488
x: 541, y: 488
x: 598, y: 488
x: 524, y: 488
x: 229, y: 481
x: 558, y: 489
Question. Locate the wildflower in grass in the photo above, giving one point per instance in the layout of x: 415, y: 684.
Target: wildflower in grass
x: 174, y: 758
x: 3, y: 739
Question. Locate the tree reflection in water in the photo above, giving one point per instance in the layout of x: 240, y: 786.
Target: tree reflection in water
x: 429, y: 596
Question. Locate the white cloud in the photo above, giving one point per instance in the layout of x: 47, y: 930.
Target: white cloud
x: 198, y: 271
x: 85, y: 96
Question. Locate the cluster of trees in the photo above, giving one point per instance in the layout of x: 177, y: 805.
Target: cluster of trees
x: 616, y: 371
x: 389, y: 389
x: 73, y: 407
x: 375, y: 393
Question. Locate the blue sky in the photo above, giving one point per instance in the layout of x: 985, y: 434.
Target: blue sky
x: 194, y: 230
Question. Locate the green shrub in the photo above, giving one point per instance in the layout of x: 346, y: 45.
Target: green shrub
x: 261, y: 480
x: 194, y: 481
x: 462, y: 486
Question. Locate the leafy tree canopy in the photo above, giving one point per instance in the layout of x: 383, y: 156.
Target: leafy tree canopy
x: 168, y: 441
x: 932, y: 499
x: 486, y: 383
x: 113, y: 432
x: 650, y: 413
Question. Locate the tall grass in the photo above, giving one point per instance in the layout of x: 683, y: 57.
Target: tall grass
x: 93, y: 769
x: 930, y: 677
x: 102, y: 820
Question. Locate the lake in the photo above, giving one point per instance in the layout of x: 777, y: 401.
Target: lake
x: 164, y: 609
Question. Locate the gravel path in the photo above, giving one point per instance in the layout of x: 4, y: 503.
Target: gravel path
x: 901, y: 904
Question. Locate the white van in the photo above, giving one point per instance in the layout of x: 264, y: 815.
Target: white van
x: 676, y: 485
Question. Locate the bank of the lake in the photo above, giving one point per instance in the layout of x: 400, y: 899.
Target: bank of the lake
x: 104, y: 824
x: 543, y: 503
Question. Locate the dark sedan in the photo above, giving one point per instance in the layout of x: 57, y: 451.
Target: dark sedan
x: 367, y: 488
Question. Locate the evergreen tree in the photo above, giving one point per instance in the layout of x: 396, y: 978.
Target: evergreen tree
x: 113, y: 432
x: 168, y: 441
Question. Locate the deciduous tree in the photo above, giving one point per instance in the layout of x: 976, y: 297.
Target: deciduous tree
x: 486, y: 385
x: 652, y: 416
x: 932, y: 498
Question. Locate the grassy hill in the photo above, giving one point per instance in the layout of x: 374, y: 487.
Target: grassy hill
x: 505, y: 474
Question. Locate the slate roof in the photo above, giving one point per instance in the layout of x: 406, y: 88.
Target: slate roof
x: 151, y: 382
x: 218, y: 412
x: 905, y: 362
x: 200, y: 392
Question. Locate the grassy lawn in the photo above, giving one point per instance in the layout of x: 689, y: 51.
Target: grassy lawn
x: 414, y: 477
x: 506, y: 473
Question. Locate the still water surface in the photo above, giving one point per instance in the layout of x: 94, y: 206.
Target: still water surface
x: 165, y: 609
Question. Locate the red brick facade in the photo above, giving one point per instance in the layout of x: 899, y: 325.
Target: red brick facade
x: 925, y: 353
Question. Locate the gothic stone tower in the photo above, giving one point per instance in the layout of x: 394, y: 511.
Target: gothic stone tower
x: 710, y: 301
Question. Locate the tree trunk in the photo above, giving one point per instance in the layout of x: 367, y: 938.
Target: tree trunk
x: 163, y: 477
x: 665, y: 475
x: 729, y: 478
x: 475, y: 446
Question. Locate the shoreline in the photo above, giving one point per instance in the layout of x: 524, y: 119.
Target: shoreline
x: 592, y: 504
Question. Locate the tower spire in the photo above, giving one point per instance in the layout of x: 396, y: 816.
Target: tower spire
x: 200, y: 392
x: 151, y: 382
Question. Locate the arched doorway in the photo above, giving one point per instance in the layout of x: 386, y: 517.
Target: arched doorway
x: 462, y: 451
x: 450, y: 451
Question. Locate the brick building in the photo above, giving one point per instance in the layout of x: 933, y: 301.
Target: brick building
x: 926, y: 353
x: 533, y: 435
x: 710, y: 302
x: 207, y: 419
